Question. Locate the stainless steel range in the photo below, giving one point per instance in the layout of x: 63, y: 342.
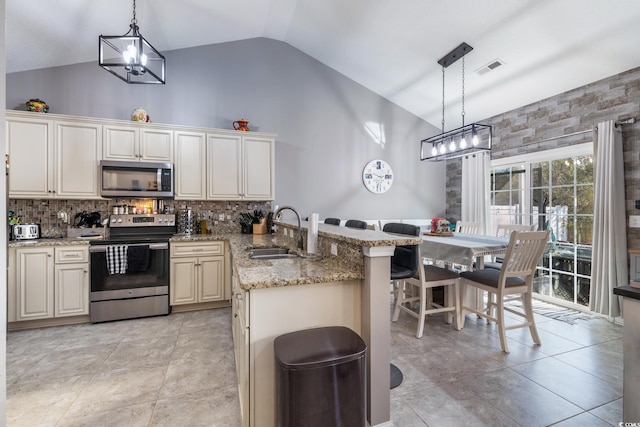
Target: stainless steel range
x: 130, y: 269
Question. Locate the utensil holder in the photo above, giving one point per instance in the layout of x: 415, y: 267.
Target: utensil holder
x: 261, y: 227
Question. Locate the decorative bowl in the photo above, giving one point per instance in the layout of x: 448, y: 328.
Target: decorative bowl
x: 37, y: 105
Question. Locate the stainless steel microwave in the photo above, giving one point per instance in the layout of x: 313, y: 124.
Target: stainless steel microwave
x: 136, y: 179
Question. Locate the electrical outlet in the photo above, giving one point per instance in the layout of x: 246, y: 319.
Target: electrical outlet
x: 334, y: 249
x: 221, y: 217
x: 634, y: 221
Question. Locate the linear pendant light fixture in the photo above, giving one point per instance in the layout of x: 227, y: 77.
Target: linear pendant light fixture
x: 464, y: 140
x: 130, y: 57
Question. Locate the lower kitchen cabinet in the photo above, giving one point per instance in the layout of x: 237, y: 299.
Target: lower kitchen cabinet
x: 48, y: 282
x: 260, y: 315
x: 197, y: 273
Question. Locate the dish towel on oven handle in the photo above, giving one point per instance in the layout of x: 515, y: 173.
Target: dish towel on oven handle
x: 117, y: 259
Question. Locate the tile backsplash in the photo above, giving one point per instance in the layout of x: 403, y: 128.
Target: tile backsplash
x: 50, y: 214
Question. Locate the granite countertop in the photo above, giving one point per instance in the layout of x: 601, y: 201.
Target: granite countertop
x: 627, y: 291
x: 259, y: 274
x: 367, y: 238
x: 48, y: 242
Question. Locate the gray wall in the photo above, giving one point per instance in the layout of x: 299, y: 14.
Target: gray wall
x: 518, y: 131
x: 320, y: 116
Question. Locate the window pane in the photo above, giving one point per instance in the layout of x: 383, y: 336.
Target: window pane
x: 584, y: 199
x: 584, y: 228
x: 501, y: 179
x: 502, y: 199
x: 562, y: 172
x: 540, y: 174
x: 584, y: 170
x: 584, y: 284
x: 563, y: 196
x: 540, y: 201
x: 563, y: 286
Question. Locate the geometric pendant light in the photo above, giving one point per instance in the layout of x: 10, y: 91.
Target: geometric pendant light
x: 130, y: 57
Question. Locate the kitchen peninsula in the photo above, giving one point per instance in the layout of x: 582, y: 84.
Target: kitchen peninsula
x: 273, y: 297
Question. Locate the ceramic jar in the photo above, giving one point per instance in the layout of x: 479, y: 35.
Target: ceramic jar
x: 140, y: 115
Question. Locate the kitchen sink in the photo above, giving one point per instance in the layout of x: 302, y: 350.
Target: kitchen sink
x: 272, y: 253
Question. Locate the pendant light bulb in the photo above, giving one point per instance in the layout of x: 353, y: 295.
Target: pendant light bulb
x: 452, y: 145
x: 463, y: 143
x: 143, y: 60
x: 434, y: 151
x: 474, y: 136
x: 443, y: 148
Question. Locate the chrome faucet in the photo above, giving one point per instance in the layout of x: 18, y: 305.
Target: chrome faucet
x: 275, y: 215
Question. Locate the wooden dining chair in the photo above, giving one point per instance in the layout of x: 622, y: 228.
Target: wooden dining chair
x: 505, y: 230
x: 417, y: 289
x: 513, y: 280
x: 332, y: 221
x: 467, y: 227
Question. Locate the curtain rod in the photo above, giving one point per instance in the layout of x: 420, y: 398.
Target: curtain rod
x: 560, y: 136
x: 626, y: 121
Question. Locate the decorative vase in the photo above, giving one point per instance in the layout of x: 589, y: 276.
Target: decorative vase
x: 140, y: 115
x: 241, y: 125
x: 37, y: 105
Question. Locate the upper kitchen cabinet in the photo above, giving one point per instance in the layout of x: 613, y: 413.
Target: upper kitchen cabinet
x: 190, y: 166
x: 30, y: 149
x: 240, y: 167
x: 52, y: 158
x: 78, y: 147
x: 137, y: 143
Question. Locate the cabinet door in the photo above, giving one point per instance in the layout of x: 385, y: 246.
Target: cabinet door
x: 224, y: 167
x: 30, y: 152
x: 34, y: 277
x: 259, y: 155
x: 120, y: 143
x: 71, y: 289
x: 183, y: 283
x: 156, y: 145
x: 211, y: 280
x: 190, y: 166
x: 78, y: 150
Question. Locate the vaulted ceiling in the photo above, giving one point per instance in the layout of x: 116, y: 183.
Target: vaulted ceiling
x: 546, y: 47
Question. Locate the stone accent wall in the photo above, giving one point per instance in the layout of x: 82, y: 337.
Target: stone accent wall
x: 528, y: 129
x: 45, y: 212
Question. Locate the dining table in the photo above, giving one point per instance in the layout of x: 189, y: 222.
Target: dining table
x: 468, y: 251
x: 460, y: 249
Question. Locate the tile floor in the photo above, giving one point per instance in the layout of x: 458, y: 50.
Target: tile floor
x: 179, y: 371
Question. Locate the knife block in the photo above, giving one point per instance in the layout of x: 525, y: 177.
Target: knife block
x: 261, y: 227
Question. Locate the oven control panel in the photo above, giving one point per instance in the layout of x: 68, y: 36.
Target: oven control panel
x: 142, y: 220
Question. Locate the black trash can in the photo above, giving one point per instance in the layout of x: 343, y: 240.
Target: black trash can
x: 320, y: 378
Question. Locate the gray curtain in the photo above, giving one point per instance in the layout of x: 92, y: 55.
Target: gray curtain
x: 609, y: 261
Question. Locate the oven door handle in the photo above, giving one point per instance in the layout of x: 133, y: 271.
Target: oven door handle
x: 152, y: 247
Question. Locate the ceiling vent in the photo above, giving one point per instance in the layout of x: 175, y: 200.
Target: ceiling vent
x: 490, y: 66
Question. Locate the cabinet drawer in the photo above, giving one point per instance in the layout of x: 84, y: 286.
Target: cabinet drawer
x: 191, y: 249
x: 71, y: 254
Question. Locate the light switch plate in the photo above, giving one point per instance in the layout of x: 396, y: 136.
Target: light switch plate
x: 634, y: 221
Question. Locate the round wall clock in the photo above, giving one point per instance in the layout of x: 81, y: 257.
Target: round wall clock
x: 377, y: 176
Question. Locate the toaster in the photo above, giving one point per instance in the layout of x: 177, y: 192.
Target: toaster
x: 26, y: 231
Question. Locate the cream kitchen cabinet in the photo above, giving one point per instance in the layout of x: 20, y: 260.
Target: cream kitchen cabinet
x: 137, y: 143
x: 240, y: 167
x: 52, y: 158
x: 190, y: 166
x: 30, y: 148
x: 78, y: 147
x: 47, y: 282
x: 240, y: 332
x: 197, y: 273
